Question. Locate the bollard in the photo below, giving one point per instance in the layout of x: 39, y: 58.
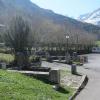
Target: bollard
x: 82, y: 59
x: 60, y: 59
x: 3, y: 65
x: 85, y: 59
x: 54, y: 76
x: 73, y: 69
x: 75, y: 56
x: 67, y: 58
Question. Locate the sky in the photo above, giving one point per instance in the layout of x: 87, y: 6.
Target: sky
x: 71, y: 8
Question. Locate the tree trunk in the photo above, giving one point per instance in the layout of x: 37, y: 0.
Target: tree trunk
x: 22, y: 60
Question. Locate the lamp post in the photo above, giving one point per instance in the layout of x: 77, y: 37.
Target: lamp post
x: 77, y: 40
x: 2, y: 28
x: 67, y: 37
x: 67, y: 55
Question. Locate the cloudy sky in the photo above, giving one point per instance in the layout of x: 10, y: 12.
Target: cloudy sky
x: 71, y: 8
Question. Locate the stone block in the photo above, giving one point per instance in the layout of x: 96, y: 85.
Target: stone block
x: 54, y: 76
x: 3, y: 65
x: 73, y: 69
x: 85, y: 59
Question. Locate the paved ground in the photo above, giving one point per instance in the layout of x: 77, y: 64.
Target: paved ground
x: 92, y: 69
x: 92, y: 89
x: 67, y: 79
x: 55, y: 65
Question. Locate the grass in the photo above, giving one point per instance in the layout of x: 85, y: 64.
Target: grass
x: 9, y: 58
x: 97, y: 43
x: 6, y: 57
x: 71, y: 80
x: 15, y: 86
x: 64, y: 73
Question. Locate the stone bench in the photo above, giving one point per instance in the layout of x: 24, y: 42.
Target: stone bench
x: 52, y: 76
x: 37, y: 74
x: 42, y: 69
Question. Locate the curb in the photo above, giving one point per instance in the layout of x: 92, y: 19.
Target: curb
x: 83, y: 83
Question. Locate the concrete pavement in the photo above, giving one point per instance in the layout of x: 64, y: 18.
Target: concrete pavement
x: 92, y: 69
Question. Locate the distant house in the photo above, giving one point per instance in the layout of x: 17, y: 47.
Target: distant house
x: 2, y: 45
x: 1, y: 25
x: 96, y: 49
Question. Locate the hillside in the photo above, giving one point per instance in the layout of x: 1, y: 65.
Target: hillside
x: 44, y: 22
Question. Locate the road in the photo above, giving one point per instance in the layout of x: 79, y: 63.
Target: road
x: 92, y: 69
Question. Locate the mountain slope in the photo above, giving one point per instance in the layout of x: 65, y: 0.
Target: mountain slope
x: 93, y: 18
x: 43, y: 21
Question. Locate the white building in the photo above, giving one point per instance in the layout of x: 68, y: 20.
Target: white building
x: 1, y: 25
x: 96, y: 49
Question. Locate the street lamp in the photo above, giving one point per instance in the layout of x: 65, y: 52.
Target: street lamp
x: 67, y: 37
x: 67, y: 55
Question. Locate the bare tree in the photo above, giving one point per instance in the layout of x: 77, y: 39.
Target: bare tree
x: 17, y: 37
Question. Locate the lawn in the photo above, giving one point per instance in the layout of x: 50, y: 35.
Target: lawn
x: 6, y: 57
x: 97, y: 43
x: 15, y: 86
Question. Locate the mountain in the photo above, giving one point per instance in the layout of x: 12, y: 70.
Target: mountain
x: 45, y: 23
x: 93, y: 18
